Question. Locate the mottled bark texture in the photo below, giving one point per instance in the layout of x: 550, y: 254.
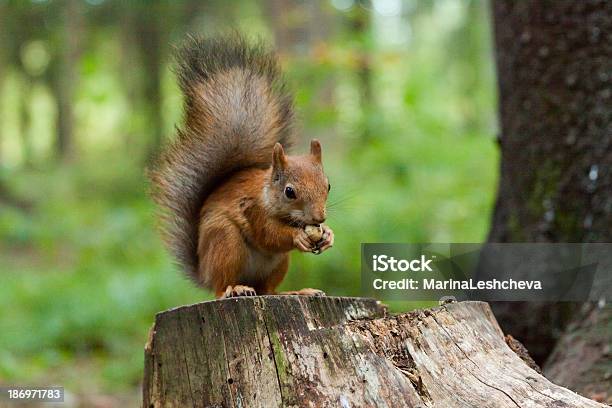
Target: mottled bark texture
x: 582, y: 359
x: 275, y: 351
x: 554, y: 63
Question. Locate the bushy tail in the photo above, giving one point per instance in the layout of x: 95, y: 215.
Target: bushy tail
x: 236, y: 109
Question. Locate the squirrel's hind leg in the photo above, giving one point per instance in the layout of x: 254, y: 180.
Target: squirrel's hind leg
x: 236, y: 291
x: 223, y: 253
x: 276, y: 277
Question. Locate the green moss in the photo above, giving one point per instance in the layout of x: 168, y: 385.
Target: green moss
x: 514, y: 226
x: 280, y: 360
x: 567, y: 224
x: 545, y: 185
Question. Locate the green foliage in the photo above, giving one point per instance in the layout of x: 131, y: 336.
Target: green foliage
x: 85, y: 275
x: 84, y: 272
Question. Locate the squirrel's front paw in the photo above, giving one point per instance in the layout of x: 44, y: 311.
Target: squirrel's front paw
x: 327, y: 239
x: 302, y: 242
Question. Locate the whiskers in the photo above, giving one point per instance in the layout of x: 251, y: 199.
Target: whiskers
x: 342, y: 201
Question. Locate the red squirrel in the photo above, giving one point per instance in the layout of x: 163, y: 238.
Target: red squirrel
x: 234, y: 204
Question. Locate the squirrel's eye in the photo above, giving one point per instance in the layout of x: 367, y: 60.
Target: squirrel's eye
x: 328, y: 187
x: 290, y: 193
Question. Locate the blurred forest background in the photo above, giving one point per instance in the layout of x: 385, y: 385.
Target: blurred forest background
x: 400, y: 92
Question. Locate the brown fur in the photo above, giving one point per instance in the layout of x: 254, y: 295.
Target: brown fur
x: 248, y: 225
x: 221, y: 183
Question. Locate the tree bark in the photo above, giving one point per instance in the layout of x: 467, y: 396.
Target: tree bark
x: 324, y: 351
x: 554, y: 64
x: 581, y: 358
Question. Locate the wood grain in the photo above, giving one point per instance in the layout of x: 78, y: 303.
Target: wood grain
x: 290, y: 351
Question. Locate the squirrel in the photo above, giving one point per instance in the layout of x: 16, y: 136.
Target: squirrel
x: 233, y: 203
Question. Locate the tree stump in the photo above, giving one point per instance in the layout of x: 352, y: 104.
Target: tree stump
x: 274, y: 351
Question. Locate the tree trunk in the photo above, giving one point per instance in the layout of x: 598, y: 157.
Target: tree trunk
x: 3, y: 64
x: 66, y: 76
x: 554, y: 63
x: 581, y: 359
x: 289, y: 23
x: 151, y: 42
x: 25, y: 120
x: 324, y: 351
x: 360, y: 27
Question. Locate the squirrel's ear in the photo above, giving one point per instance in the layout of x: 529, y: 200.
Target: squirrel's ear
x: 279, y: 160
x: 315, y: 149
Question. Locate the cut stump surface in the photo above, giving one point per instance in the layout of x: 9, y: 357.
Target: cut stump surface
x: 291, y: 351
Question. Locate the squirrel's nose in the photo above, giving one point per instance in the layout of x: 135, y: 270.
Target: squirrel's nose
x: 318, y: 215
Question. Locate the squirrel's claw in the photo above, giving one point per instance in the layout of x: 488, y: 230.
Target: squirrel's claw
x: 327, y: 241
x: 302, y: 242
x: 305, y: 292
x: 238, y: 290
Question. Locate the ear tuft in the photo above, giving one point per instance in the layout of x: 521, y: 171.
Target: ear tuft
x: 315, y: 149
x: 279, y: 160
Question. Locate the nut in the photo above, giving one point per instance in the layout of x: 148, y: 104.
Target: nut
x: 314, y: 232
